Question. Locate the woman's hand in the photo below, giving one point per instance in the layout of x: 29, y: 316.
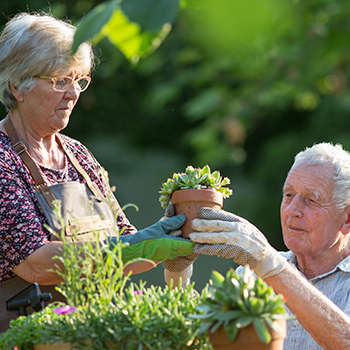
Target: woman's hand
x: 155, y: 242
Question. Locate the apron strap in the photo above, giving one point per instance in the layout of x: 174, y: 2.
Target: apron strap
x: 82, y: 172
x: 20, y: 148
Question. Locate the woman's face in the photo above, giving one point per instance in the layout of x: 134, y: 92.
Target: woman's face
x: 45, y: 110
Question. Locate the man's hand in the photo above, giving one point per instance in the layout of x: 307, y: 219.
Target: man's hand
x: 234, y: 237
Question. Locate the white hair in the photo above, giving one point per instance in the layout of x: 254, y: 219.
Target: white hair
x: 337, y: 158
x: 35, y: 44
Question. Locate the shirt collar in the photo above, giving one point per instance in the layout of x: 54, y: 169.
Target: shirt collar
x: 344, y: 265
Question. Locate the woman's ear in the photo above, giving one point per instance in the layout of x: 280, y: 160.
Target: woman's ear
x: 18, y: 95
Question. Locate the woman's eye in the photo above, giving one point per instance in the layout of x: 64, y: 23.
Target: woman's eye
x: 62, y: 82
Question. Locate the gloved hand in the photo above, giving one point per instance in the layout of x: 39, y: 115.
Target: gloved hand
x: 154, y: 242
x: 181, y: 266
x: 238, y: 239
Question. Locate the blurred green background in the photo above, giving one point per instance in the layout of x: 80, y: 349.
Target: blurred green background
x: 241, y: 86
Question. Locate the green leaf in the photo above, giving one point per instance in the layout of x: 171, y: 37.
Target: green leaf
x: 231, y: 332
x: 216, y: 175
x: 204, y: 327
x: 225, y: 181
x: 206, y: 170
x: 189, y: 169
x: 244, y: 321
x: 217, y: 279
x: 130, y: 205
x: 272, y: 305
x: 262, y: 330
x: 151, y: 15
x: 230, y: 315
x: 130, y: 39
x: 91, y: 25
x: 256, y: 305
x: 124, y: 34
x: 216, y: 326
x: 226, y: 192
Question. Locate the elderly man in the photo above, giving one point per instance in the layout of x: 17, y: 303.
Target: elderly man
x: 314, y: 276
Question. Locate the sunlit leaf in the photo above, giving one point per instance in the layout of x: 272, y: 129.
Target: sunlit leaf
x: 151, y: 15
x: 129, y: 38
x: 217, y: 278
x: 92, y: 24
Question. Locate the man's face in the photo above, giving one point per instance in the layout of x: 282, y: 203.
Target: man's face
x: 311, y: 224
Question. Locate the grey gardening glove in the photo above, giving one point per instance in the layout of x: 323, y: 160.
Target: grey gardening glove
x: 238, y: 239
x: 180, y: 267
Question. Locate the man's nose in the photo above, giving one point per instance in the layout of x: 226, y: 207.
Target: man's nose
x: 295, y: 206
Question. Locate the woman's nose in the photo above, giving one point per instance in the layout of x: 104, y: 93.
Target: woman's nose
x: 73, y: 92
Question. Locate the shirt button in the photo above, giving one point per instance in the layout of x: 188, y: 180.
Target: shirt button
x: 296, y: 323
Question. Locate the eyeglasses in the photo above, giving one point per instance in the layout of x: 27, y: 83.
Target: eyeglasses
x: 63, y: 84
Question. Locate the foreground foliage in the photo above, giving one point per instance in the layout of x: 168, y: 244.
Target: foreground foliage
x: 236, y: 301
x: 143, y: 318
x: 101, y: 313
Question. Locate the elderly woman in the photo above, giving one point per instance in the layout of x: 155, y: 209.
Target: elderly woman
x: 40, y: 83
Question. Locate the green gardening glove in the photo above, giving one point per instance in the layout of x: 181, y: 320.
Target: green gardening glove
x: 154, y: 242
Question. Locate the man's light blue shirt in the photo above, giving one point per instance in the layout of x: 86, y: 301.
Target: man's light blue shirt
x: 335, y: 285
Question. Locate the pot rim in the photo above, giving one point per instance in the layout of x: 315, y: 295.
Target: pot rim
x: 198, y: 195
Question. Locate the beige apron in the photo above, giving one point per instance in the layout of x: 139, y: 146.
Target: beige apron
x: 83, y: 209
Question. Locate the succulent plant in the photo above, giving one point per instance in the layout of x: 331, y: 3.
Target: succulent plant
x: 194, y: 178
x: 236, y: 301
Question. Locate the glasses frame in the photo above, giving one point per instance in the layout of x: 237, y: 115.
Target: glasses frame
x: 73, y: 81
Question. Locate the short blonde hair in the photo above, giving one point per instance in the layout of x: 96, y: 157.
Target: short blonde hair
x: 38, y: 44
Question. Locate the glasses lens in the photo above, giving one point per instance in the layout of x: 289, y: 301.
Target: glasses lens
x: 63, y: 84
x: 83, y: 83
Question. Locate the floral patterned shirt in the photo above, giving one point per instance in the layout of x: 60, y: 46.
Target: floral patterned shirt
x: 22, y: 221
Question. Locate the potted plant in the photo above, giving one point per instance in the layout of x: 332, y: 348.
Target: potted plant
x: 105, y: 310
x: 242, y: 311
x: 193, y: 189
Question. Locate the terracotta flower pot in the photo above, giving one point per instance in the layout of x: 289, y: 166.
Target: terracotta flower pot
x: 188, y: 202
x: 247, y: 339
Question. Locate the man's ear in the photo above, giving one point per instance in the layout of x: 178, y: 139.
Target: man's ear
x: 346, y: 226
x: 18, y: 95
